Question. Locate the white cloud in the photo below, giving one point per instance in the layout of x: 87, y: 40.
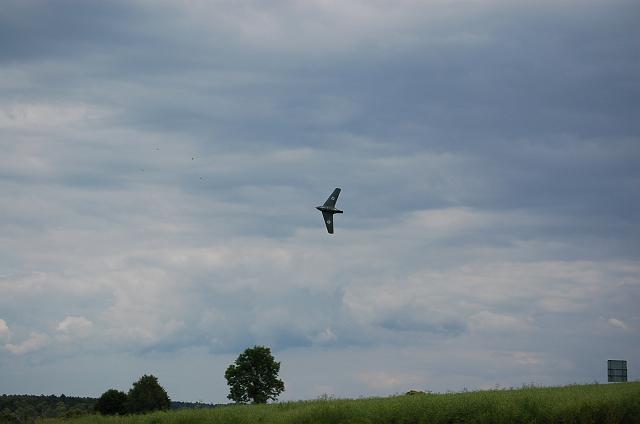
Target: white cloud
x: 486, y: 321
x: 616, y: 323
x: 527, y: 358
x: 390, y: 381
x: 35, y: 342
x: 143, y: 313
x: 74, y: 327
x: 325, y: 336
x: 5, y: 332
x: 47, y: 117
x: 453, y: 220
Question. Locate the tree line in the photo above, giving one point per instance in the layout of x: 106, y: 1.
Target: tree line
x: 24, y: 409
x: 253, y: 377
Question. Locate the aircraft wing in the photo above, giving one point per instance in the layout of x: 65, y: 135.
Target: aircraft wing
x: 328, y: 221
x: 331, y: 201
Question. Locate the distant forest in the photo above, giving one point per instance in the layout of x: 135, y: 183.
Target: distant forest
x: 24, y: 409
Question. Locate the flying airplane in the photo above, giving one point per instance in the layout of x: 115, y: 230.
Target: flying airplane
x: 329, y: 208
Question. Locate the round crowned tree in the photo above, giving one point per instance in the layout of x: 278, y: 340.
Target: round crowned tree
x: 111, y: 402
x: 147, y: 395
x: 254, y: 376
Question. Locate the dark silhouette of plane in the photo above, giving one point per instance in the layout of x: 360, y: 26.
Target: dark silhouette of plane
x: 329, y: 208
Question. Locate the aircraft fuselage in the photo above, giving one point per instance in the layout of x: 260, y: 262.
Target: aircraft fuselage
x: 328, y: 209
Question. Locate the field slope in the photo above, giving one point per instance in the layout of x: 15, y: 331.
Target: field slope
x: 597, y: 403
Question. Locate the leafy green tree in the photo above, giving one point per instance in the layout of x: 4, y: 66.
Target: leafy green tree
x: 26, y: 414
x: 112, y: 402
x: 6, y: 416
x: 61, y: 410
x: 147, y: 395
x: 254, y: 376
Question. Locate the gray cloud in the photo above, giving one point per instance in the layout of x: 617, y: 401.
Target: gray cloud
x: 161, y: 163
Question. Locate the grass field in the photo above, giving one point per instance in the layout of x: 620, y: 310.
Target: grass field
x: 597, y: 404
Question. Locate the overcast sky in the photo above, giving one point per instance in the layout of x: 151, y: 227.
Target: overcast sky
x: 161, y: 161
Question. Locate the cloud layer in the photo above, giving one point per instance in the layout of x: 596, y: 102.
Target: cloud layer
x: 161, y: 162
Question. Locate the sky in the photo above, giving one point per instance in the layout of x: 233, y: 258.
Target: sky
x: 161, y: 161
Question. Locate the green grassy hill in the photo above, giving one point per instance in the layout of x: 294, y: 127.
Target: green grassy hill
x: 597, y: 404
